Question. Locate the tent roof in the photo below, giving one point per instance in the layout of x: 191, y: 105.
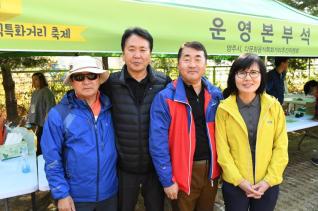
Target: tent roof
x: 259, y: 8
x: 227, y: 27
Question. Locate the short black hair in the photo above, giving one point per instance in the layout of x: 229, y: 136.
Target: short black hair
x: 243, y: 62
x: 279, y: 60
x: 42, y: 79
x: 139, y: 32
x: 309, y: 85
x: 195, y: 45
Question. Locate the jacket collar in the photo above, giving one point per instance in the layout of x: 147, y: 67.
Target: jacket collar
x: 230, y: 105
x: 180, y: 94
x: 72, y: 101
x: 150, y: 71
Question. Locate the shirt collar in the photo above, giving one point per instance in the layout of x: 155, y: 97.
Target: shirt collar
x: 129, y: 77
x: 190, y: 87
x: 254, y: 103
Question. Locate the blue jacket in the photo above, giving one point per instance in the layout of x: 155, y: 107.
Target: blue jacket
x: 275, y: 85
x: 79, y: 152
x: 172, y: 133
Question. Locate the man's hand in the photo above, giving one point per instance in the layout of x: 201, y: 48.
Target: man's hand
x: 172, y: 191
x: 260, y: 187
x: 249, y: 190
x: 66, y: 204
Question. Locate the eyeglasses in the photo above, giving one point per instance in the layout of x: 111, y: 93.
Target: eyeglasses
x: 81, y: 77
x: 243, y: 74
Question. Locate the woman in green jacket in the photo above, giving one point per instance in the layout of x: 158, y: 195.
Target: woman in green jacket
x: 251, y: 138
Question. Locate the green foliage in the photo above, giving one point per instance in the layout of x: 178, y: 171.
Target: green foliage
x: 219, y: 59
x: 166, y: 65
x: 24, y: 89
x: 8, y: 64
x: 297, y: 64
x: 299, y: 72
x: 308, y: 6
x: 57, y: 86
x: 25, y: 62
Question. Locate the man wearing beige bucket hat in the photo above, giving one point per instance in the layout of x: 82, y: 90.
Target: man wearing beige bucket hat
x: 78, y: 143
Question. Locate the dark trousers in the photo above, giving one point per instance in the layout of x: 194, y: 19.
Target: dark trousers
x: 236, y: 200
x: 38, y: 133
x: 202, y: 192
x: 105, y: 205
x: 130, y: 186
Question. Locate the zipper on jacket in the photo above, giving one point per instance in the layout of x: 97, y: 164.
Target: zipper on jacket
x: 137, y: 104
x: 190, y: 135
x: 190, y: 173
x: 257, y: 134
x: 97, y: 150
x: 98, y: 164
x: 229, y: 111
x: 139, y: 139
x: 249, y: 152
x: 211, y: 147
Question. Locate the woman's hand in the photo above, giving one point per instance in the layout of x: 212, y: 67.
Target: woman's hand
x: 249, y: 190
x: 261, y: 187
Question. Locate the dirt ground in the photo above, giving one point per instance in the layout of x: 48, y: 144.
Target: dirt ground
x: 298, y: 192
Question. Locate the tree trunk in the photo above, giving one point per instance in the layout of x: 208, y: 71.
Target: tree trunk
x: 105, y: 63
x: 9, y: 90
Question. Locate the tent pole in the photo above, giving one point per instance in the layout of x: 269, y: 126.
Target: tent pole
x: 309, y: 68
x: 265, y: 61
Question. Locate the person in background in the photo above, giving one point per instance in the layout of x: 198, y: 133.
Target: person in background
x: 78, y: 143
x: 311, y: 88
x: 251, y: 139
x: 276, y: 77
x: 131, y: 92
x: 42, y: 100
x: 182, y: 141
x: 2, y: 127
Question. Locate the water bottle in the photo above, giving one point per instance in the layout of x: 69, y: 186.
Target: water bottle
x: 25, y: 161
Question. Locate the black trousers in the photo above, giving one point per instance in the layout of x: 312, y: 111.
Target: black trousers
x: 131, y: 184
x: 236, y: 200
x: 38, y: 133
x: 105, y: 205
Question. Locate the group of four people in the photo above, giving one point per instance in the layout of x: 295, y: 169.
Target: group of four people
x: 140, y: 131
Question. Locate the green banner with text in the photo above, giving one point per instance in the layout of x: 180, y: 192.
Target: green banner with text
x: 96, y: 26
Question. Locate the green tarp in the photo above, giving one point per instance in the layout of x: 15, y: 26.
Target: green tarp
x: 227, y: 27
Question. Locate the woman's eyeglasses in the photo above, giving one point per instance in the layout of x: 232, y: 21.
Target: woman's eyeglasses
x: 81, y: 77
x: 243, y: 74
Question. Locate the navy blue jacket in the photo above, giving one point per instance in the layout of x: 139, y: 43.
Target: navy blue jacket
x: 79, y: 151
x: 275, y: 85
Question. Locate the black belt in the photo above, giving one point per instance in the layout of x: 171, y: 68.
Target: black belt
x: 201, y: 162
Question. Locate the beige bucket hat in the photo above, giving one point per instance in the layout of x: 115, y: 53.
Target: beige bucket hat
x: 87, y: 64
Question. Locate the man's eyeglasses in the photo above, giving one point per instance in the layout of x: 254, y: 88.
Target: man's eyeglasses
x: 81, y: 77
x: 243, y: 74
